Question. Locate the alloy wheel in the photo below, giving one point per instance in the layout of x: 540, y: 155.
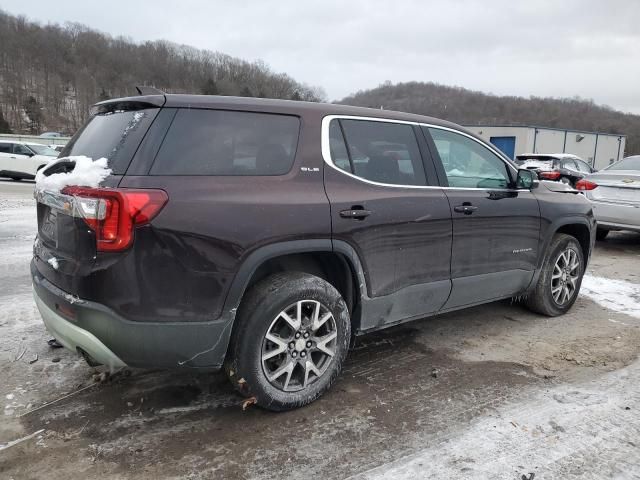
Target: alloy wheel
x: 564, y: 279
x: 299, y: 345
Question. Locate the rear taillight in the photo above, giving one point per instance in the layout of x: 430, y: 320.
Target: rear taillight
x: 585, y: 185
x: 112, y: 213
x: 550, y: 175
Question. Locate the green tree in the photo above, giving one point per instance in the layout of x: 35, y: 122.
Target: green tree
x: 210, y: 87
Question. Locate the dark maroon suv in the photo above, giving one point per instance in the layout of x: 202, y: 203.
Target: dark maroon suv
x: 262, y: 235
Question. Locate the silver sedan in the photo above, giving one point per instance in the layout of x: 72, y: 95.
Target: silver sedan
x: 615, y: 195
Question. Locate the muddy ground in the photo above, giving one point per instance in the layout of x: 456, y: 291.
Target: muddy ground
x: 490, y: 392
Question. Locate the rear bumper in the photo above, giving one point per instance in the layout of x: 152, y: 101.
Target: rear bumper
x: 617, y: 216
x: 116, y: 341
x: 75, y: 338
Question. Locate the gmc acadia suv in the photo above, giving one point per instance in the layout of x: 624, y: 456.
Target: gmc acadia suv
x: 262, y: 235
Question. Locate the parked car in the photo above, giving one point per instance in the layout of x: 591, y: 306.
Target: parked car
x: 50, y: 135
x: 21, y: 160
x: 614, y: 193
x: 262, y: 235
x: 561, y: 167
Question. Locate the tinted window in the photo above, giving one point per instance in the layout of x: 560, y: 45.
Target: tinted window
x: 384, y: 152
x: 467, y: 163
x: 114, y: 135
x: 6, y: 147
x: 217, y: 142
x: 21, y: 149
x: 337, y: 147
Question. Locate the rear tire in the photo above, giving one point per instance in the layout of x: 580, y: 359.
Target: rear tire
x: 560, y: 279
x: 601, y: 233
x: 290, y: 340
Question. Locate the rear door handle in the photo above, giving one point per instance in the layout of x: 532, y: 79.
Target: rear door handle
x: 465, y: 208
x: 355, y: 213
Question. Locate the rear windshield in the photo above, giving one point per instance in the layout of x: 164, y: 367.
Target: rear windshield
x: 629, y: 163
x: 113, y: 135
x: 218, y: 142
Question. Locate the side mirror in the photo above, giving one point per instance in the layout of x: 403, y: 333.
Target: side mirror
x: 526, y: 179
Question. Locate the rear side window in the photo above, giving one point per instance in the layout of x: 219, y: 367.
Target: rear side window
x: 6, y: 147
x: 382, y: 152
x: 113, y: 135
x: 219, y: 142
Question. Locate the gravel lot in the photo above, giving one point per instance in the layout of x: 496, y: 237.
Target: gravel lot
x: 489, y: 392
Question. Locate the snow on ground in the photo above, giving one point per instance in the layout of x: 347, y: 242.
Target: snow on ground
x: 617, y: 295
x: 545, y: 435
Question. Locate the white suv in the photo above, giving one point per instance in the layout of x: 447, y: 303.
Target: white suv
x: 20, y: 160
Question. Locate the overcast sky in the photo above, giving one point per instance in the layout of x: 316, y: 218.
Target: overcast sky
x: 589, y: 48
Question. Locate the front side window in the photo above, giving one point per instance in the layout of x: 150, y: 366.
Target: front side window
x: 21, y: 150
x: 382, y: 152
x: 219, y: 142
x: 467, y: 163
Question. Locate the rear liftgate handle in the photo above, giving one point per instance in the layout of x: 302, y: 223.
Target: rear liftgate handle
x: 465, y: 208
x: 357, y: 212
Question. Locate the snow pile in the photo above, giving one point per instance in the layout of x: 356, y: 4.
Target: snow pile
x: 53, y: 261
x: 87, y: 173
x: 617, y: 295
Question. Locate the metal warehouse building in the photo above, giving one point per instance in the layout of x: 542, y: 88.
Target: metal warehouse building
x: 597, y: 149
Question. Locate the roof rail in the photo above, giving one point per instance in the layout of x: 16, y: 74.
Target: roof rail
x: 144, y: 90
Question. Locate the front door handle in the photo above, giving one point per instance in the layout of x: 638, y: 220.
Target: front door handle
x: 356, y: 212
x: 465, y: 208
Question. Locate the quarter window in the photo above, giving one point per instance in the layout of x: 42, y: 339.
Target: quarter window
x: 382, y: 152
x: 467, y: 163
x: 218, y: 142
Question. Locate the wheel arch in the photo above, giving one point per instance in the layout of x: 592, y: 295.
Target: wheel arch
x: 581, y: 232
x: 334, y: 261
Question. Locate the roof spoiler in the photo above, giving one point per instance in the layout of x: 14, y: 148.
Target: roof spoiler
x: 148, y: 97
x: 144, y: 90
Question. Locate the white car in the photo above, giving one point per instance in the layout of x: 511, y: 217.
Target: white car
x: 20, y: 160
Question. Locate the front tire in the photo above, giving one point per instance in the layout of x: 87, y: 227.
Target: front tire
x: 291, y: 338
x: 559, y: 282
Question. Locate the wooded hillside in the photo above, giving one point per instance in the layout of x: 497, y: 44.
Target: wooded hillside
x: 50, y: 74
x: 470, y: 108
